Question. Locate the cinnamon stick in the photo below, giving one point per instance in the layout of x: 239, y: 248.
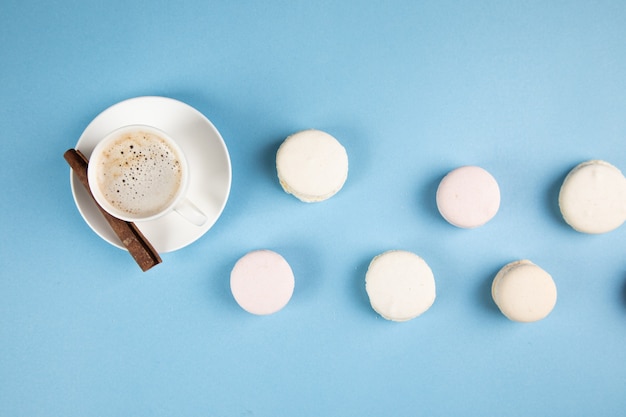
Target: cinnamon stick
x: 138, y: 246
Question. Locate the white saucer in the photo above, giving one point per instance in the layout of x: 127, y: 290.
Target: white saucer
x: 204, y: 148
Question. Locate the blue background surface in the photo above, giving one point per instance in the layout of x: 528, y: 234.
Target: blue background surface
x: 412, y: 89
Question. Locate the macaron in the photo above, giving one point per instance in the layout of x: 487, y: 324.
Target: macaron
x: 468, y: 197
x: 400, y: 285
x: 262, y: 282
x: 524, y: 292
x: 312, y: 165
x: 592, y: 198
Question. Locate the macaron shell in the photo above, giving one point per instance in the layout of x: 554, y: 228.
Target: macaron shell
x: 262, y: 282
x: 592, y: 198
x: 312, y: 165
x: 468, y: 197
x: 400, y: 285
x: 524, y: 292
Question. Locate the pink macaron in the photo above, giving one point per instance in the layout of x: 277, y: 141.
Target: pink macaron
x: 262, y: 282
x: 468, y: 197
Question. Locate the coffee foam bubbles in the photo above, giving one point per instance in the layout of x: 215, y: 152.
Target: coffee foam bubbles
x: 139, y: 173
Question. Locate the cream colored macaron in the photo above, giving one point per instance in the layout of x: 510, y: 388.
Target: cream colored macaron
x: 593, y: 197
x: 400, y: 285
x: 312, y: 165
x: 468, y: 197
x: 262, y: 282
x: 523, y: 291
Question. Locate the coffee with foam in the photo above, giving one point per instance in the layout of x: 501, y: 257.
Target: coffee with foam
x: 139, y: 173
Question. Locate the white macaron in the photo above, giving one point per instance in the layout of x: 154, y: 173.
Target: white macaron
x: 312, y: 165
x: 400, y: 285
x: 592, y: 198
x: 524, y: 292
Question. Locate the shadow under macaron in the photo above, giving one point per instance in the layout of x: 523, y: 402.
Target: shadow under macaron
x: 268, y: 161
x: 623, y: 292
x: 362, y: 299
x: 484, y: 292
x: 552, y: 192
x: 427, y: 199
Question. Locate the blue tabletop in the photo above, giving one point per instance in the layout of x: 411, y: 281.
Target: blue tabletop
x: 412, y: 89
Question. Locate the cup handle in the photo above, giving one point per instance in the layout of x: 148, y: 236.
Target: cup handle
x: 190, y: 212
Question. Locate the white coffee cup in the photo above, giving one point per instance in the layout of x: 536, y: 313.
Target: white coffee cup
x: 139, y: 173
